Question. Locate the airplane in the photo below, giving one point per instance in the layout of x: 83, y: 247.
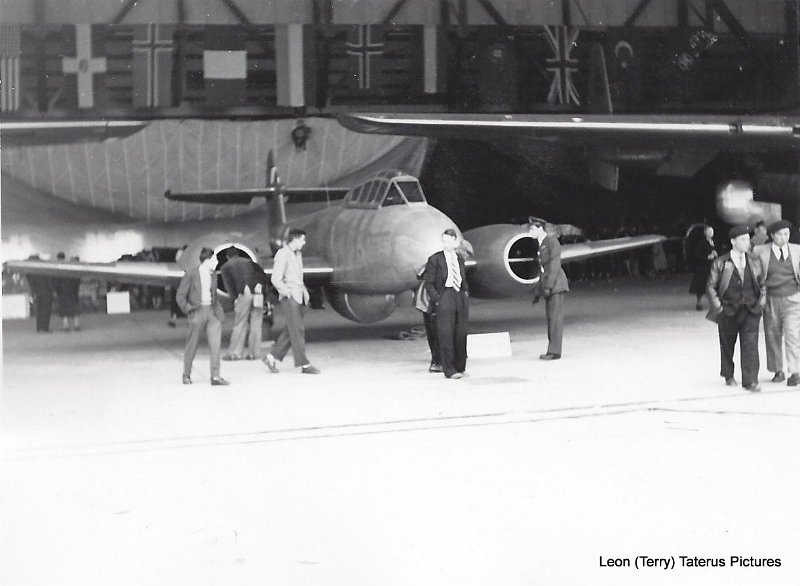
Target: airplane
x: 365, y: 245
x: 605, y: 141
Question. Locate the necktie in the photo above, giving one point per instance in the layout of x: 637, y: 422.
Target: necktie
x: 455, y: 271
x: 781, y: 259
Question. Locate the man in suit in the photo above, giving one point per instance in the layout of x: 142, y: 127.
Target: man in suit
x: 552, y: 286
x: 239, y: 276
x: 448, y: 290
x: 737, y: 294
x: 780, y: 265
x: 287, y: 277
x: 197, y: 298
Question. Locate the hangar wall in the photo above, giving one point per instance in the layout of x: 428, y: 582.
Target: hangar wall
x: 756, y: 16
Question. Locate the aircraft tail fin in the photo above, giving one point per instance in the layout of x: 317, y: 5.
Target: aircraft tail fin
x: 599, y: 98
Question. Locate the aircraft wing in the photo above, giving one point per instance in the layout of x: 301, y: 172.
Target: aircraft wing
x: 245, y: 196
x: 646, y: 131
x: 30, y: 132
x: 316, y: 271
x: 584, y: 250
x: 144, y: 273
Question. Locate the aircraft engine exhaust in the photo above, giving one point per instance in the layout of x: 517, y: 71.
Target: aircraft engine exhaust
x: 505, y: 261
x: 735, y: 204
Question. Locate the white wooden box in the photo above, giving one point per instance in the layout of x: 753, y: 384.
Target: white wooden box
x: 118, y: 302
x: 15, y: 306
x: 493, y: 345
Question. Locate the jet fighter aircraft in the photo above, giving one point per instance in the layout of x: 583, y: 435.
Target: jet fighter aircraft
x: 365, y: 245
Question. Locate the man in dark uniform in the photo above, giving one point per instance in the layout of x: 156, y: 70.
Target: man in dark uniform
x: 552, y: 286
x: 446, y: 283
x: 42, y: 291
x: 737, y: 293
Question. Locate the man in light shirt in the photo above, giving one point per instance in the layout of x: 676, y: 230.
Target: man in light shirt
x: 448, y: 290
x: 780, y: 264
x: 287, y: 277
x: 737, y: 294
x: 197, y: 298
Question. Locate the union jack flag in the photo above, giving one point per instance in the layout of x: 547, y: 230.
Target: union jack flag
x: 562, y: 40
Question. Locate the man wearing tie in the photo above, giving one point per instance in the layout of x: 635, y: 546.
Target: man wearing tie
x: 780, y: 264
x: 446, y: 283
x: 197, y: 298
x: 737, y: 293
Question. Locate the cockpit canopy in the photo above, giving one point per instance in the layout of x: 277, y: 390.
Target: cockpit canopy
x: 387, y: 188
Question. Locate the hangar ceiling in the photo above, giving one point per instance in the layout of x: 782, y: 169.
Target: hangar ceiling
x: 756, y: 16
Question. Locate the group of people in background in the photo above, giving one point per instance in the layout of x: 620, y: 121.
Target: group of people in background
x: 67, y: 297
x: 750, y: 282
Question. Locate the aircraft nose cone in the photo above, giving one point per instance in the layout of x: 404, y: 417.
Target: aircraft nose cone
x: 422, y: 236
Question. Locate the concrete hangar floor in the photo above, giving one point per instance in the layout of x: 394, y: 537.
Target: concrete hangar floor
x: 377, y: 472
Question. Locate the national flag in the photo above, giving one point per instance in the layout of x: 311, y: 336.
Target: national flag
x: 9, y: 67
x: 433, y: 60
x: 623, y: 52
x: 364, y: 48
x: 153, y: 55
x: 224, y: 67
x: 562, y: 40
x: 84, y: 65
x: 294, y: 65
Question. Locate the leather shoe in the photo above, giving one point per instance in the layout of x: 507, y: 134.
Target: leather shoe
x: 794, y: 380
x: 752, y: 387
x: 549, y: 356
x: 779, y: 377
x: 250, y: 357
x: 731, y: 382
x: 309, y: 370
x: 456, y: 375
x: 435, y: 367
x: 219, y: 381
x: 187, y: 380
x: 231, y: 357
x: 271, y: 363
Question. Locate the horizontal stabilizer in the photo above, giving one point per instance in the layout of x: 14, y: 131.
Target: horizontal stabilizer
x: 584, y: 250
x: 221, y: 196
x: 245, y: 196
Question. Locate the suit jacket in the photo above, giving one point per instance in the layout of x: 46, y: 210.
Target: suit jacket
x: 190, y: 291
x: 720, y: 278
x: 763, y: 251
x: 436, y: 276
x: 553, y: 276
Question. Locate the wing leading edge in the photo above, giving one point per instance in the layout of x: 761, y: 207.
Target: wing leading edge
x: 744, y: 132
x: 316, y: 271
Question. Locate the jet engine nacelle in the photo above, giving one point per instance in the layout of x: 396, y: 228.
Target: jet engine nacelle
x: 221, y: 244
x: 505, y: 261
x: 361, y: 308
